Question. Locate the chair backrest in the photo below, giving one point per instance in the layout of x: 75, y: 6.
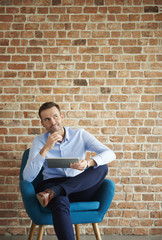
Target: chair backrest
x: 23, y: 163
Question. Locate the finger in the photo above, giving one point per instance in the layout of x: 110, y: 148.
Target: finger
x: 78, y: 166
x: 75, y: 165
x: 56, y: 137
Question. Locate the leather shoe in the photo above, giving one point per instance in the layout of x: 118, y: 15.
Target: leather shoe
x: 45, y: 197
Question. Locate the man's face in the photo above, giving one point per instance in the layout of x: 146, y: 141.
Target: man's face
x: 52, y: 119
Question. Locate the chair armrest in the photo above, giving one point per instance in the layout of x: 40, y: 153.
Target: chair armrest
x: 32, y: 205
x: 105, y: 195
x: 30, y: 201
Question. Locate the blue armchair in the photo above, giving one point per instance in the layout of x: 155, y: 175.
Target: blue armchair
x: 81, y: 212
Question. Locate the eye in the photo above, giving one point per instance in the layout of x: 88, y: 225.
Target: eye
x: 55, y: 116
x: 46, y: 119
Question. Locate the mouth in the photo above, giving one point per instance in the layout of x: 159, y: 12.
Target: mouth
x: 53, y: 126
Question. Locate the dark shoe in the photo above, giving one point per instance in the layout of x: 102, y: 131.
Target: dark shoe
x: 45, y: 197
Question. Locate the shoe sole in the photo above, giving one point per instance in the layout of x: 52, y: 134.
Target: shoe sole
x: 40, y: 199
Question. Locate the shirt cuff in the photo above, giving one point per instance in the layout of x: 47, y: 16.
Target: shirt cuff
x: 98, y: 160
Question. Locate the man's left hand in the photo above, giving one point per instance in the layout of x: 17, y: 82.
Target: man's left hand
x: 81, y: 165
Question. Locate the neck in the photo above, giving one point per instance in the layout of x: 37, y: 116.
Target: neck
x: 62, y: 133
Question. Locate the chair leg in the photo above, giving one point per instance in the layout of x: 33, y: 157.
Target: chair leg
x: 40, y: 232
x: 32, y: 229
x: 96, y: 231
x: 77, y: 231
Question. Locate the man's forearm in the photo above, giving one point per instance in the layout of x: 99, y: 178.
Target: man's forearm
x: 43, y: 152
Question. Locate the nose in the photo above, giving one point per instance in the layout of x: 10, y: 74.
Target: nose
x: 52, y: 120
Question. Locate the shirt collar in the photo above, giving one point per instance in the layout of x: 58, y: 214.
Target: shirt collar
x: 66, y: 134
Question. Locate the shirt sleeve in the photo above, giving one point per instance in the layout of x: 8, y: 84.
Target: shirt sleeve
x: 34, y: 162
x: 104, y: 155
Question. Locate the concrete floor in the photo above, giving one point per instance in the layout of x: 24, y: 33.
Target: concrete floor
x: 88, y: 237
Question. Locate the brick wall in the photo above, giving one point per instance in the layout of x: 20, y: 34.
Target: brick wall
x: 101, y: 61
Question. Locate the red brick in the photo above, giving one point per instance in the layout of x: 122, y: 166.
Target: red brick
x: 42, y: 10
x: 98, y: 18
x: 90, y: 10
x: 79, y: 18
x: 4, y: 26
x: 28, y: 10
x: 158, y: 17
x: 127, y: 42
x: 27, y: 34
x: 6, y: 18
x: 20, y: 58
x: 36, y: 18
x: 134, y: 50
x: 114, y: 9
x: 3, y: 131
x: 63, y: 42
x: 34, y: 50
x: 39, y: 74
x: 16, y: 66
x: 50, y: 34
x: 134, y: 17
x: 4, y: 58
x: 31, y: 26
x: 132, y: 9
x: 156, y: 231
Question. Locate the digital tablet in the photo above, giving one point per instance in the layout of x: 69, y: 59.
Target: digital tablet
x: 61, y: 162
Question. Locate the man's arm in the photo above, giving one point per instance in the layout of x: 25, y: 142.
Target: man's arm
x: 37, y: 156
x: 104, y: 155
x: 52, y: 139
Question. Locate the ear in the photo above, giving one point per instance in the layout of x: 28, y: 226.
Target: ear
x: 62, y: 116
x: 42, y: 123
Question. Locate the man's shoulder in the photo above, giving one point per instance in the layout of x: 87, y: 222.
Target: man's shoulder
x: 74, y: 130
x: 71, y: 132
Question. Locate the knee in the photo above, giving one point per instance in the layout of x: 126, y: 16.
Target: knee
x: 104, y: 169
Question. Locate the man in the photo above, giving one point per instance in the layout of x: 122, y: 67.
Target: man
x: 60, y: 186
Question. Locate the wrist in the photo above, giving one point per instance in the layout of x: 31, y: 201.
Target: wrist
x: 91, y: 163
x: 43, y: 152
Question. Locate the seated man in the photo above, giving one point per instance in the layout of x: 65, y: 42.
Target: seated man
x: 60, y: 186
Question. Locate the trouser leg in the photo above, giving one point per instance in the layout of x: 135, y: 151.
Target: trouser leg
x: 86, y: 180
x: 79, y: 188
x: 60, y: 207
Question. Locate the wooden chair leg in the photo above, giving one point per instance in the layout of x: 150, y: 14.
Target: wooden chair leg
x: 40, y: 232
x: 32, y: 229
x: 96, y: 231
x: 77, y: 231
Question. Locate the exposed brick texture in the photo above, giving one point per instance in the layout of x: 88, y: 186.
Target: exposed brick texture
x: 101, y: 61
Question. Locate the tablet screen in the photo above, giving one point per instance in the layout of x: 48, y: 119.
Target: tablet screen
x: 61, y: 162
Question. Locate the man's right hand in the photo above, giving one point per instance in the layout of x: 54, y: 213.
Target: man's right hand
x: 52, y: 139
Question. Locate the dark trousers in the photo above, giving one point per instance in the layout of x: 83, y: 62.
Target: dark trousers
x: 76, y: 189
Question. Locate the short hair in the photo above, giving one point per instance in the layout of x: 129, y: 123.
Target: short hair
x: 48, y: 105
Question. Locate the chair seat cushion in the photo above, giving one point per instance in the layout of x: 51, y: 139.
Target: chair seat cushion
x: 79, y: 206
x: 84, y: 206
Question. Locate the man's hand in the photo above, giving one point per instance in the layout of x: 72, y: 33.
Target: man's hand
x: 52, y: 139
x: 83, y: 164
